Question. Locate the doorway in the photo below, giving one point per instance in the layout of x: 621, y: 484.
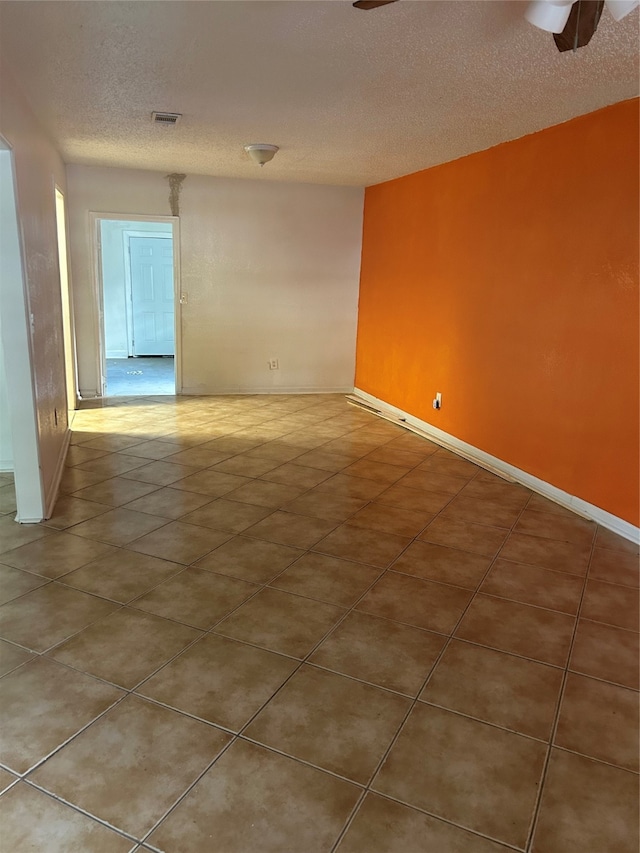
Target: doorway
x: 138, y: 286
x: 67, y: 309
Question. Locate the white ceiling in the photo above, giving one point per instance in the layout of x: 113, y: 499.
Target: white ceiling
x: 351, y: 97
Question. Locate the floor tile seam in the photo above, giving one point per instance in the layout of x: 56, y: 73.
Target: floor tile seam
x: 480, y: 591
x: 60, y: 579
x: 41, y: 761
x: 507, y: 845
x: 603, y: 680
x: 46, y: 582
x: 558, y: 711
x: 75, y: 808
x: 350, y: 818
x: 118, y: 505
x: 70, y: 528
x: 590, y: 577
x: 608, y: 625
x: 597, y: 760
x: 555, y: 571
x: 469, y: 589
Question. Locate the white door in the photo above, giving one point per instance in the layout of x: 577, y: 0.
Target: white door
x: 152, y: 300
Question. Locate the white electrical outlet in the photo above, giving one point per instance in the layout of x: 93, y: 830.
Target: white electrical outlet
x: 274, y: 364
x: 437, y: 401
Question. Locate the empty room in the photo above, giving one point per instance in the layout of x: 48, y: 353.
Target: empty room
x: 319, y: 426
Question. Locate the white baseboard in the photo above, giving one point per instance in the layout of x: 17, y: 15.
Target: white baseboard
x: 88, y: 393
x: 498, y: 466
x: 52, y: 493
x: 292, y: 389
x: 6, y: 466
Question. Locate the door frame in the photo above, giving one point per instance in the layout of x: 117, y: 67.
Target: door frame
x: 128, y: 285
x: 95, y: 218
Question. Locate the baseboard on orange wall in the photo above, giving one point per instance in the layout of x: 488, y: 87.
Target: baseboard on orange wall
x: 497, y: 466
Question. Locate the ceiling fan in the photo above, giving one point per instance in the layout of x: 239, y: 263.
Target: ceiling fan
x: 572, y: 22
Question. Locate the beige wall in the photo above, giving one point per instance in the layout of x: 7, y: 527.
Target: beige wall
x: 270, y: 269
x: 38, y: 168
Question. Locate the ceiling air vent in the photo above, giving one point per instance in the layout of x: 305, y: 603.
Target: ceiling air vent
x: 165, y: 118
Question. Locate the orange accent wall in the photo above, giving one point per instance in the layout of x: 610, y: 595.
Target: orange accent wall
x: 508, y: 281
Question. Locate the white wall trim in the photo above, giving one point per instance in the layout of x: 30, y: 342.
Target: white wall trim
x: 285, y: 389
x: 52, y: 496
x: 6, y: 466
x: 89, y: 394
x: 498, y: 466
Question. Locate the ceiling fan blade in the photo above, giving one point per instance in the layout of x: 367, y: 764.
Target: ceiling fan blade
x: 582, y: 24
x: 372, y: 4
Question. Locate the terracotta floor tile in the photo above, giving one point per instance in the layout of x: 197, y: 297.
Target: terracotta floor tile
x: 473, y: 774
x: 497, y: 688
x: 262, y: 493
x: 126, y: 647
x: 490, y: 487
x: 531, y: 585
x: 220, y: 680
x: 395, y: 456
x: 547, y: 553
x: 14, y: 583
x: 115, y: 491
x: 112, y: 464
x: 250, y: 559
x: 615, y: 567
x: 14, y: 535
x: 152, y: 449
x: 48, y: 615
x: 319, y: 504
x: 286, y: 528
x: 608, y: 539
x: 599, y: 720
x: 477, y: 538
x: 445, y: 462
x: 210, y: 482
x: 615, y: 605
x: 70, y: 511
x: 391, y: 519
x: 540, y: 504
x: 31, y: 820
x: 347, y: 725
x: 121, y: 575
x: 55, y: 555
x: 434, y: 606
x: 7, y: 499
x: 365, y: 546
x: 118, y: 526
x: 42, y: 705
x: 387, y: 827
x: 12, y: 656
x: 253, y: 799
x: 382, y: 652
x: 353, y: 487
x: 161, y: 472
x: 606, y: 652
x: 326, y: 578
x: 196, y: 597
x: 431, y: 481
x: 556, y: 526
x: 480, y: 511
x: 275, y: 450
x: 74, y: 479
x: 438, y: 563
x: 77, y: 454
x: 377, y: 471
x: 246, y: 466
x: 323, y: 459
x: 197, y: 457
x: 281, y: 622
x: 293, y: 474
x: 168, y: 503
x: 182, y: 543
x: 532, y: 632
x: 587, y: 807
x: 417, y: 500
x: 224, y: 514
x: 112, y: 442
x: 147, y: 757
x: 6, y: 779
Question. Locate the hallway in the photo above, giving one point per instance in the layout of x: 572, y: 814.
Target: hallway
x: 279, y: 623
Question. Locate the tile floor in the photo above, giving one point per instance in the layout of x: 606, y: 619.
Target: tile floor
x: 146, y: 375
x: 269, y: 624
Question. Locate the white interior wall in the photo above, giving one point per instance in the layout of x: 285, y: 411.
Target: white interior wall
x: 269, y: 270
x: 39, y: 346
x: 114, y: 260
x: 6, y: 451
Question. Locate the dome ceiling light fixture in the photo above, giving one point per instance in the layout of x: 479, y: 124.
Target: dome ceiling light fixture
x: 573, y: 22
x: 261, y: 153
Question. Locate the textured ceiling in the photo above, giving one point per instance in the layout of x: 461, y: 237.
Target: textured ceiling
x: 351, y: 97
